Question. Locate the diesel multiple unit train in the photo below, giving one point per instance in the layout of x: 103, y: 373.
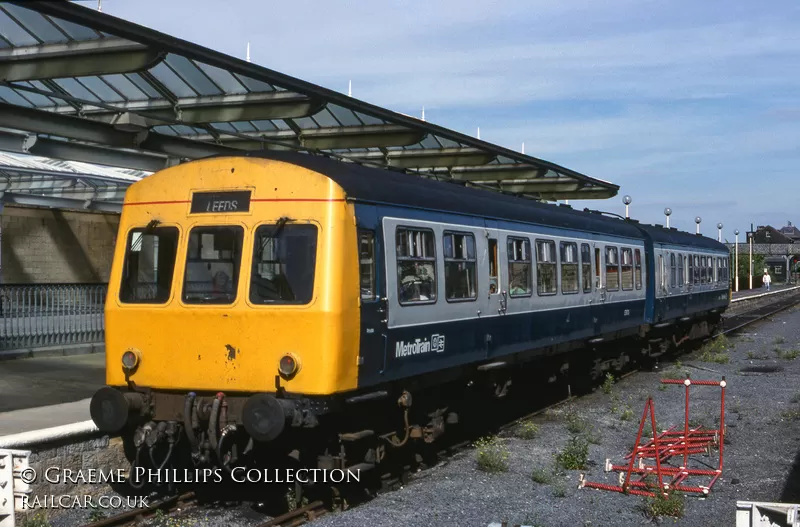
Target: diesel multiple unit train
x: 288, y: 303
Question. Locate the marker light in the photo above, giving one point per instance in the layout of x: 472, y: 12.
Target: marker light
x: 287, y: 365
x: 130, y: 359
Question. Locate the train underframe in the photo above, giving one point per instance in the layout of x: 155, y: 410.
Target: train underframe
x: 392, y: 425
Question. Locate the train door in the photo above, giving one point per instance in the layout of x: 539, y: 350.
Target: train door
x: 598, y: 292
x: 494, y: 295
x: 373, y: 331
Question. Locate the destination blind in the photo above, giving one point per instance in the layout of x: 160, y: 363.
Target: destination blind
x: 220, y: 202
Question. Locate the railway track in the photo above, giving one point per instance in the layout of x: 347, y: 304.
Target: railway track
x: 316, y: 509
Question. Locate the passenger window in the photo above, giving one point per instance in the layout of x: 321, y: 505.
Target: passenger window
x: 703, y: 269
x: 673, y: 270
x: 212, y: 265
x: 546, y: 267
x: 586, y: 268
x: 680, y: 271
x: 569, y: 267
x: 627, y: 270
x: 597, y: 265
x: 416, y: 266
x: 661, y: 270
x: 519, y: 267
x: 284, y: 264
x: 149, y: 265
x: 612, y: 269
x: 366, y: 263
x: 638, y: 268
x: 696, y: 276
x: 494, y: 282
x: 459, y: 266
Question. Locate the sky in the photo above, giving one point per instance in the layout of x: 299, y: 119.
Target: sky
x: 692, y: 105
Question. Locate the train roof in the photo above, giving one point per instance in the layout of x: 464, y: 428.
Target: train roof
x: 378, y: 185
x: 673, y: 236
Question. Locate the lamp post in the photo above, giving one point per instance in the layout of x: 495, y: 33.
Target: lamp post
x: 736, y: 232
x: 667, y: 213
x: 750, y: 240
x: 719, y: 232
x: 697, y: 220
x: 627, y: 201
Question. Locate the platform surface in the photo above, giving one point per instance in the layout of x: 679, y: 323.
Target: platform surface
x: 46, y: 381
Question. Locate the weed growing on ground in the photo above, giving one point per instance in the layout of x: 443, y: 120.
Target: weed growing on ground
x: 708, y: 354
x: 37, y: 520
x: 789, y: 354
x: 575, y: 423
x: 676, y: 371
x: 492, y: 455
x: 670, y: 505
x: 736, y: 408
x: 779, y: 340
x: 663, y: 387
x: 593, y: 436
x: 575, y: 454
x: 608, y: 384
x: 542, y: 476
x: 790, y: 415
x: 751, y: 355
x: 527, y: 430
x: 627, y: 414
x: 96, y: 515
x: 559, y: 491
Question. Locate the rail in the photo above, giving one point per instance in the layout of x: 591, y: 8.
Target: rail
x: 41, y: 315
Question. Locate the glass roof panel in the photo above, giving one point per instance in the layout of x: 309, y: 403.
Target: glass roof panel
x: 448, y: 143
x: 345, y: 116
x: 12, y: 32
x: 35, y: 98
x: 224, y: 127
x: 76, y: 89
x: 193, y: 75
x: 254, y: 85
x: 430, y: 142
x: 325, y: 119
x: 166, y: 130
x: 368, y: 119
x: 223, y: 79
x: 280, y: 124
x: 12, y: 97
x: 244, y: 126
x: 36, y: 23
x: 126, y: 87
x: 264, y: 125
x: 173, y: 83
x: 415, y: 146
x: 143, y: 85
x: 505, y: 160
x: 182, y: 129
x: 3, y: 43
x: 100, y: 88
x: 305, y: 123
x: 75, y: 31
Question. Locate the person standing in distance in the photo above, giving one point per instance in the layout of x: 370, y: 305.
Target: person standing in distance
x: 767, y: 279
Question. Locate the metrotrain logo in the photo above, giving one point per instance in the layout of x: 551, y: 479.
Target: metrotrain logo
x: 419, y: 346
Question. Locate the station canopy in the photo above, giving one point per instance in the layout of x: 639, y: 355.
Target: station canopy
x: 82, y: 86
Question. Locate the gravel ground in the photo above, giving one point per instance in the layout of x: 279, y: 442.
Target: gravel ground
x: 762, y: 458
x: 763, y: 431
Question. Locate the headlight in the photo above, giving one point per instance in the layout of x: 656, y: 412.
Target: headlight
x: 130, y: 360
x: 288, y: 365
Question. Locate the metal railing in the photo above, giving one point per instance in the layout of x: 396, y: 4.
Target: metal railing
x: 40, y: 315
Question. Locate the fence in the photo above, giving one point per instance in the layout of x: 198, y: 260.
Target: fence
x: 51, y: 314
